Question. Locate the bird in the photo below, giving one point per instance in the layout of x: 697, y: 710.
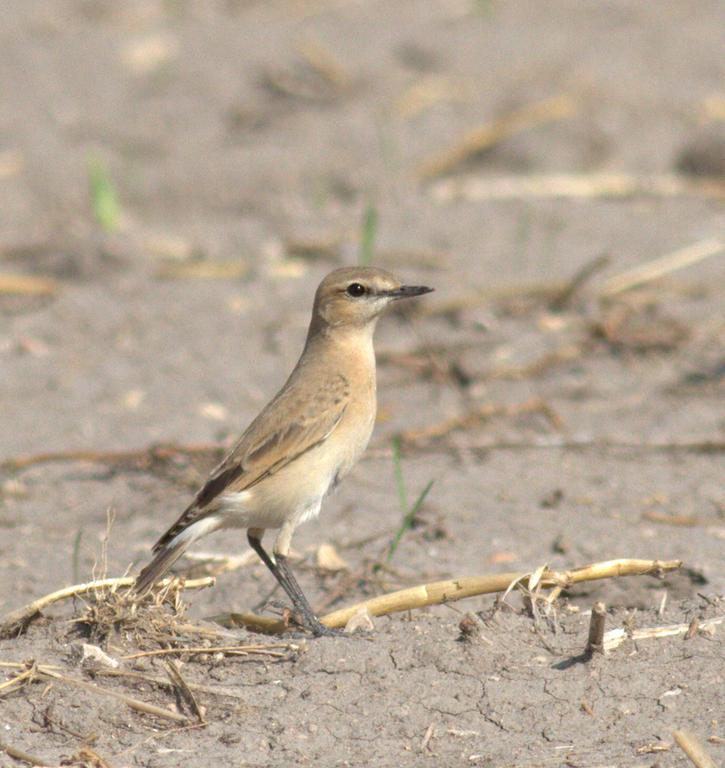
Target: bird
x: 303, y: 442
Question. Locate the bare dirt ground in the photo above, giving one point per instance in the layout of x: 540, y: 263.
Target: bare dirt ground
x: 562, y: 420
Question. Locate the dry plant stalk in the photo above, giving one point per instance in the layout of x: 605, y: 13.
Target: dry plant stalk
x: 615, y: 637
x: 487, y: 135
x: 16, y: 620
x: 536, y: 367
x: 234, y: 650
x: 49, y: 672
x: 11, y: 163
x: 692, y: 747
x: 664, y: 265
x: 439, y: 592
x: 183, y: 691
x: 685, y: 521
x: 320, y: 59
x: 136, y: 704
x: 595, y: 640
x: 87, y: 756
x: 476, y: 416
x: 578, y: 280
x: 145, y: 456
x: 27, y: 285
x: 18, y: 681
x: 434, y: 593
x: 427, y: 92
x: 576, y: 186
x: 203, y: 270
x: 693, y: 628
x: 18, y: 754
x: 164, y: 682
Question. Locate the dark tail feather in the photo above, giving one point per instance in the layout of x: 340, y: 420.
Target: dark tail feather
x: 159, y: 566
x: 171, y: 547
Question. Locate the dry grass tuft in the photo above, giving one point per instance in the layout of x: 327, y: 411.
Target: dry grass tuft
x: 146, y: 621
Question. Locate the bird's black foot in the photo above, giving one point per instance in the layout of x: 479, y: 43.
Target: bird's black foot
x: 309, y: 622
x: 320, y: 630
x: 283, y: 573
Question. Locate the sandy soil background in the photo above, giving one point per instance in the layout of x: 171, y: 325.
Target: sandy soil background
x: 176, y: 177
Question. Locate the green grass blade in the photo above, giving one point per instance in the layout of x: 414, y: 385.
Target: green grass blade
x: 409, y: 513
x: 368, y: 236
x: 399, y: 481
x: 408, y: 520
x: 104, y: 200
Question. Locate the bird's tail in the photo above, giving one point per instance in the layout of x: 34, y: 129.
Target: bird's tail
x: 169, y: 552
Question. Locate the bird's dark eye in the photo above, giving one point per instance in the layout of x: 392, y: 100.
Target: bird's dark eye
x: 356, y: 290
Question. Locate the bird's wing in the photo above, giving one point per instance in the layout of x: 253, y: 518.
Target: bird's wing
x: 297, y: 420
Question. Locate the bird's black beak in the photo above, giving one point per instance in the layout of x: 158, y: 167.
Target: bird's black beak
x: 408, y: 291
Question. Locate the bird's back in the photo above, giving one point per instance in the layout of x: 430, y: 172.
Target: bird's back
x: 324, y: 413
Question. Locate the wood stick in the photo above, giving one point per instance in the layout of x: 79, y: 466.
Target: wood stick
x: 11, y: 163
x: 595, y: 186
x: 434, y: 593
x: 579, y: 279
x: 266, y: 650
x: 440, y: 592
x: 27, y: 285
x: 202, y: 270
x: 615, y: 637
x: 15, y: 620
x: 487, y: 135
x: 595, y: 641
x: 252, y: 621
x: 693, y: 628
x: 153, y: 452
x: 680, y: 520
x: 476, y: 416
x: 321, y: 60
x: 166, y: 683
x: 87, y: 756
x: 183, y: 690
x: 692, y: 747
x: 18, y: 754
x: 136, y: 704
x: 664, y: 265
x: 9, y: 685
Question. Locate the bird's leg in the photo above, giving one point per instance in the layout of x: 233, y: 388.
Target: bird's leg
x: 287, y: 579
x: 283, y: 573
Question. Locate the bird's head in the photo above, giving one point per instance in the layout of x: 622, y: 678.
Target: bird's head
x: 355, y: 296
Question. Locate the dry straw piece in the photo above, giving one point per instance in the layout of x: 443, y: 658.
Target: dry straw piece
x: 664, y: 265
x: 692, y: 747
x: 439, y: 592
x: 595, y: 641
x: 575, y: 187
x: 469, y: 586
x: 27, y: 285
x: 18, y: 754
x: 476, y: 416
x: 615, y: 637
x: 421, y: 596
x: 484, y: 137
x: 49, y: 672
x: 16, y: 620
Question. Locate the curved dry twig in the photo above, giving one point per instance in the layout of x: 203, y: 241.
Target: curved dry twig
x: 17, y: 620
x: 439, y: 592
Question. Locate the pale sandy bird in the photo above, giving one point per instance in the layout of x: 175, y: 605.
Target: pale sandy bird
x: 304, y: 442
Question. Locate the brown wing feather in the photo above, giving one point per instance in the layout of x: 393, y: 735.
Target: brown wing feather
x: 293, y: 423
